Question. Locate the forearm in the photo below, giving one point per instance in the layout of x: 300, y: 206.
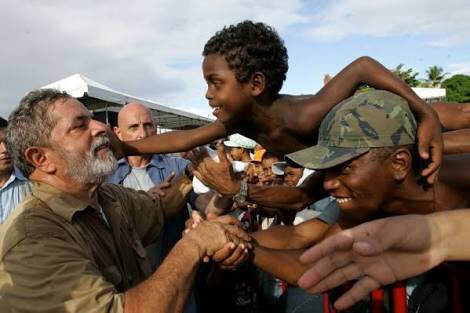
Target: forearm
x: 176, y: 195
x: 176, y: 141
x: 453, y: 116
x: 368, y: 71
x: 291, y: 237
x: 457, y: 141
x: 283, y: 264
x: 282, y: 197
x: 374, y: 74
x: 451, y: 234
x: 168, y: 288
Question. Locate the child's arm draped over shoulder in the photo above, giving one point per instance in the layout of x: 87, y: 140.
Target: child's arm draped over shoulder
x: 176, y: 141
x: 368, y: 71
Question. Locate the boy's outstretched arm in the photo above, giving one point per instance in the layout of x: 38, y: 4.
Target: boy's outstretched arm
x: 175, y: 141
x: 366, y: 70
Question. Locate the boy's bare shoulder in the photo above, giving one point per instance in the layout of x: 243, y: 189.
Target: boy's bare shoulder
x: 291, y: 102
x: 291, y: 107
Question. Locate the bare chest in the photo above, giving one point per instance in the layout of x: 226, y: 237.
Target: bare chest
x: 283, y: 141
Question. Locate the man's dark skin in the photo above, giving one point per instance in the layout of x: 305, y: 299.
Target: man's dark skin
x: 395, y: 190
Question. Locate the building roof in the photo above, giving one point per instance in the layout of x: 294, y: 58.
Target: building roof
x: 100, y: 98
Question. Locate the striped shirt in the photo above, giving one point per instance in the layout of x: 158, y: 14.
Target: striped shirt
x: 12, y: 193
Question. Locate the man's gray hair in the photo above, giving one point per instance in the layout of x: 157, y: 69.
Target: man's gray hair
x: 31, y: 124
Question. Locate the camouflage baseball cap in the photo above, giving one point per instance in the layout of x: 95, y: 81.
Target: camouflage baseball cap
x: 367, y: 120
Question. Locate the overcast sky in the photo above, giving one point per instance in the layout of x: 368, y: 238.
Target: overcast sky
x: 152, y: 49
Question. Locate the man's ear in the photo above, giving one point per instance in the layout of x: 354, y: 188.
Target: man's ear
x: 401, y: 163
x: 117, y: 131
x: 39, y: 158
x: 258, y: 84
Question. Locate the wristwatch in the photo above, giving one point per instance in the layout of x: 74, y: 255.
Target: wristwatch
x: 241, y: 196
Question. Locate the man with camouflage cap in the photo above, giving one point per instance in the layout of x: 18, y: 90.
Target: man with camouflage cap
x: 367, y: 155
x: 366, y: 128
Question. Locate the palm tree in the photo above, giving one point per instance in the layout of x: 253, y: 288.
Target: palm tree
x: 406, y: 75
x: 435, y: 75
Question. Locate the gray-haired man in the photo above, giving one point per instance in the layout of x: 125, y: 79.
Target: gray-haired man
x: 85, y: 237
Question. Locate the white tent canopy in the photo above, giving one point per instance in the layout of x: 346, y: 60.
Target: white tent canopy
x: 430, y: 94
x: 100, y: 98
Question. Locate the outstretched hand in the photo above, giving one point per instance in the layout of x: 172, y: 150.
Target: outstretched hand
x: 158, y: 191
x: 376, y: 253
x: 216, y: 175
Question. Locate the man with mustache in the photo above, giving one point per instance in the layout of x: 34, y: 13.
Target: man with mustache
x: 77, y: 244
x: 13, y: 185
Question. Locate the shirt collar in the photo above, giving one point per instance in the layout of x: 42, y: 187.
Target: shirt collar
x: 61, y: 203
x: 15, y: 175
x: 18, y: 174
x: 157, y: 161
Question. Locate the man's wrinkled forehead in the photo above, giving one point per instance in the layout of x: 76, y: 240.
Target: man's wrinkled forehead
x: 65, y: 112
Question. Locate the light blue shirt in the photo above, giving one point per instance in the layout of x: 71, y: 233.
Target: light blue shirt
x: 12, y: 193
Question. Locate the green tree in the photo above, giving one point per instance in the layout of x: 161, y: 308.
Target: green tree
x: 457, y: 88
x: 435, y: 75
x: 407, y: 75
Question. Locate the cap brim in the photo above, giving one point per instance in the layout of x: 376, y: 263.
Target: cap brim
x: 278, y: 167
x: 231, y: 144
x: 322, y: 157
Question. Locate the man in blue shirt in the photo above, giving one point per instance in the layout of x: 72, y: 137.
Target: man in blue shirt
x: 151, y: 173
x: 14, y: 187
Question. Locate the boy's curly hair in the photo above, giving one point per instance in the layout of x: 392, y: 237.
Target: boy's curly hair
x: 252, y: 47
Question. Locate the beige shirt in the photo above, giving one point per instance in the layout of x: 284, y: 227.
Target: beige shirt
x: 57, y: 254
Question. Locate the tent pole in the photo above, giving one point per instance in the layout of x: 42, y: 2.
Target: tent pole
x: 106, y: 114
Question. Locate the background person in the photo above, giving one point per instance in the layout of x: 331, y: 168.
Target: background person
x: 14, y: 187
x: 152, y: 173
x: 239, y: 147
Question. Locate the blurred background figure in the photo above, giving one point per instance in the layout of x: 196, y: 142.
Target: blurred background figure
x: 14, y: 187
x: 240, y: 148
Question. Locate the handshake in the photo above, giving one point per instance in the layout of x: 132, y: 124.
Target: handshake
x: 221, y: 240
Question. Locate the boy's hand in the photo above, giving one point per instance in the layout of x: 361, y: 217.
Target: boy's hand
x: 430, y: 144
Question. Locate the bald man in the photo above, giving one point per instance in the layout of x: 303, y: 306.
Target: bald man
x: 151, y: 173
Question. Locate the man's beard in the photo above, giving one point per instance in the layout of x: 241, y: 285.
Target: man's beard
x: 89, y: 169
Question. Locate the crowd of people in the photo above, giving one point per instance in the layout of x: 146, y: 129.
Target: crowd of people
x: 279, y: 200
